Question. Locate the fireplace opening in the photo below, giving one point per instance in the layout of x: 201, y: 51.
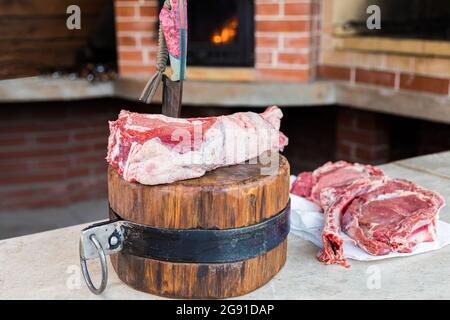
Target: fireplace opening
x: 406, y: 19
x: 221, y: 33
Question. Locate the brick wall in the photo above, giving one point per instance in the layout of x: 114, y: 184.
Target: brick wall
x: 52, y: 154
x: 316, y: 31
x: 283, y: 39
x: 375, y: 138
x: 285, y: 33
x: 394, y: 80
x: 136, y: 25
x: 362, y: 136
x: 397, y: 71
x: 293, y: 42
x: 370, y: 137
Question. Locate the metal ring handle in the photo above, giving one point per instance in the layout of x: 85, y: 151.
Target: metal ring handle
x: 84, y: 268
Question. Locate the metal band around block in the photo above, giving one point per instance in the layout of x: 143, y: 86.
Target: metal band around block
x: 204, y: 245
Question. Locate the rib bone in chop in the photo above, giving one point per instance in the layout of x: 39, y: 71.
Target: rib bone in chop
x: 381, y: 215
x: 332, y: 174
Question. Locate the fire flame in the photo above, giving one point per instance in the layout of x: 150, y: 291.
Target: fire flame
x: 227, y: 34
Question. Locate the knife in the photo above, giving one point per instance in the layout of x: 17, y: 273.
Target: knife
x: 172, y: 45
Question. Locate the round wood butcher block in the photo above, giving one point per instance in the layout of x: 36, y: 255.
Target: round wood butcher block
x: 225, y: 198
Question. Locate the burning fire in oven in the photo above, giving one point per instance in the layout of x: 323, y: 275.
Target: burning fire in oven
x: 227, y: 34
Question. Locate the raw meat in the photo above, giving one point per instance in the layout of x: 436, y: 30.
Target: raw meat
x: 393, y: 217
x: 336, y: 200
x: 381, y: 215
x: 337, y: 175
x: 153, y: 149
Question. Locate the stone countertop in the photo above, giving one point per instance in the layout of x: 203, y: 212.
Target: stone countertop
x: 195, y: 92
x: 46, y: 265
x: 46, y: 88
x: 239, y: 93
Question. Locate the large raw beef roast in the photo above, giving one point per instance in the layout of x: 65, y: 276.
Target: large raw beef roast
x: 154, y: 149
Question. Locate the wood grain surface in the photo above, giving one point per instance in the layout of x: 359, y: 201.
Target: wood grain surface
x: 34, y: 35
x: 199, y: 281
x: 229, y: 197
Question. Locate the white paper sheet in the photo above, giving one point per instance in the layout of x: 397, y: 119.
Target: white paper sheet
x: 307, y: 223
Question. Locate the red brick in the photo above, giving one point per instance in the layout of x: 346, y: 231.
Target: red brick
x: 425, y: 84
x: 297, y: 9
x: 376, y: 123
x: 41, y: 152
x: 333, y: 73
x: 125, y: 12
x: 47, y: 114
x: 151, y: 56
x: 139, y: 26
x: 91, y: 160
x: 126, y: 41
x: 14, y: 154
x: 282, y: 74
x: 297, y: 42
x: 79, y: 172
x: 92, y: 135
x: 130, y: 55
x: 13, y: 141
x: 100, y: 146
x: 52, y: 163
x: 267, y: 42
x: 130, y: 70
x: 82, y: 196
x: 346, y: 119
x: 266, y: 9
x: 293, y: 58
x: 43, y: 203
x: 56, y: 138
x: 101, y: 170
x: 361, y: 137
x: 380, y: 78
x: 148, y: 11
x: 18, y: 167
x: 264, y: 57
x: 346, y: 150
x: 282, y: 26
x: 19, y: 193
x: 372, y: 154
x: 149, y: 41
x: 32, y: 178
x: 37, y: 172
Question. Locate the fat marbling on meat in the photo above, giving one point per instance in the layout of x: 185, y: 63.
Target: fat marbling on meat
x: 154, y: 149
x: 380, y: 214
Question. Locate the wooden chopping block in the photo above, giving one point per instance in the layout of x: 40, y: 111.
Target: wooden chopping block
x: 228, y: 198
